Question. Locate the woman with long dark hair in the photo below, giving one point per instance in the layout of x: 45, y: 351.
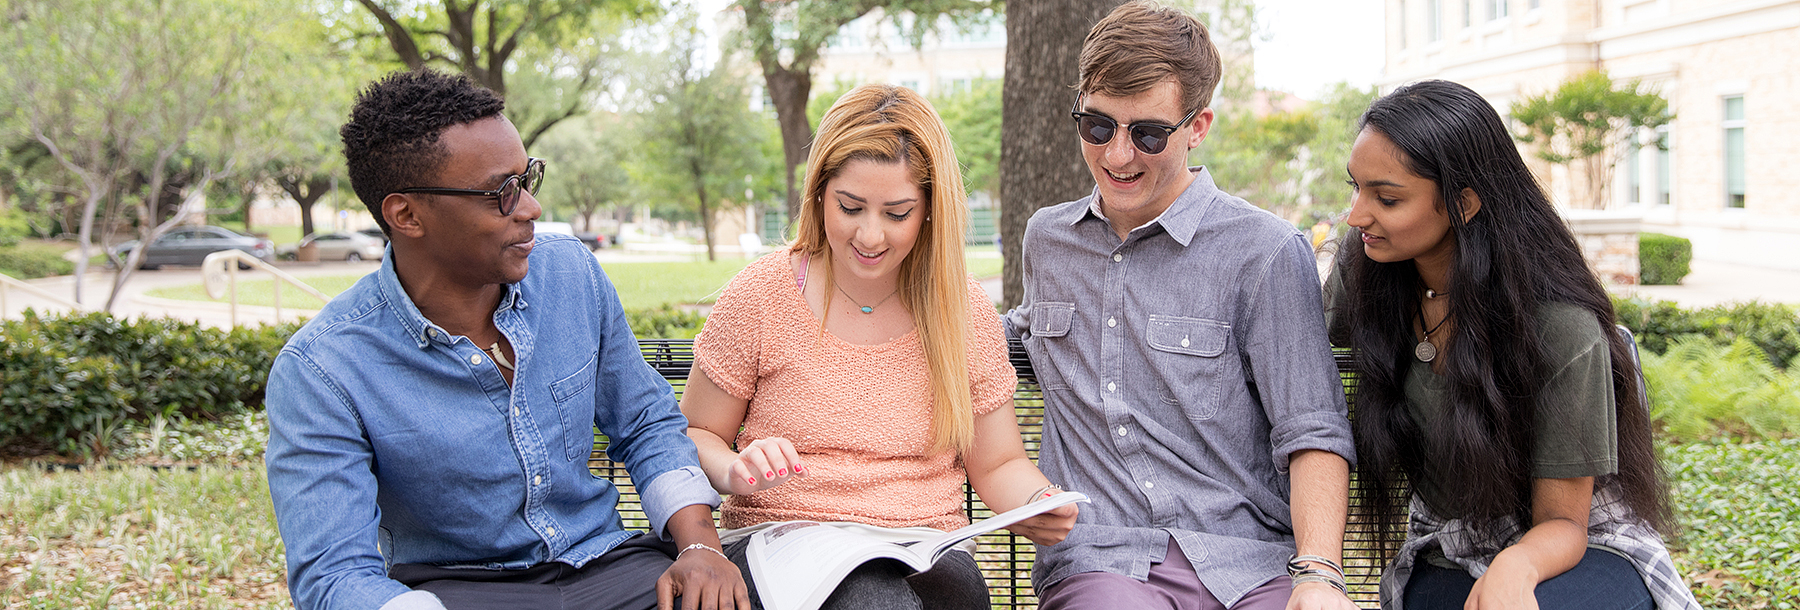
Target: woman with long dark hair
x: 1491, y: 379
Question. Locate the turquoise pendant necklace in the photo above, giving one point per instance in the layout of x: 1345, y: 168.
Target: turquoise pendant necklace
x: 866, y: 308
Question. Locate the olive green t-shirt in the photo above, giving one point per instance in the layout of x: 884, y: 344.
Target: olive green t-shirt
x: 1577, y: 427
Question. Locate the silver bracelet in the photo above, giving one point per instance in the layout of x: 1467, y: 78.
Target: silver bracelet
x: 1324, y: 577
x: 700, y: 545
x: 1042, y: 492
x: 1298, y: 562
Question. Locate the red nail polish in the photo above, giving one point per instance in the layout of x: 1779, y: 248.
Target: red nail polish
x: 783, y: 472
x: 752, y: 480
x: 769, y: 475
x: 799, y: 468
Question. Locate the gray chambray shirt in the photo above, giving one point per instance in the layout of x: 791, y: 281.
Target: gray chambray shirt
x: 1180, y: 369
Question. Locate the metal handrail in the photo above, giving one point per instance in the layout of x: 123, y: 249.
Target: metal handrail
x: 219, y: 274
x: 7, y: 281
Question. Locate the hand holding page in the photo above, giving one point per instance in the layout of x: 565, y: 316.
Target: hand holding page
x: 798, y: 564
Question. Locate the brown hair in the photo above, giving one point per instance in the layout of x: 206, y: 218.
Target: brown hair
x: 1142, y: 43
x: 889, y: 124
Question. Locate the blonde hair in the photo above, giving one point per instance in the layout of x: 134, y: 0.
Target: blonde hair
x: 889, y: 124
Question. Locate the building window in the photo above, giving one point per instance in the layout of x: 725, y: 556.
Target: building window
x: 1496, y: 9
x: 1402, y: 25
x: 1634, y: 171
x: 1734, y: 151
x: 1468, y: 13
x: 1434, y: 20
x: 1664, y: 166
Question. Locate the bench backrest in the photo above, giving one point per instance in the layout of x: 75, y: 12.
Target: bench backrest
x: 1005, y: 558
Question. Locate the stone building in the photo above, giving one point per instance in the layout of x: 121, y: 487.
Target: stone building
x: 1729, y: 68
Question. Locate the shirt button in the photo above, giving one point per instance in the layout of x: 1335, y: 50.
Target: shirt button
x: 1112, y: 387
x: 1111, y: 322
x: 1118, y: 257
x: 552, y: 531
x: 515, y: 410
x: 474, y: 359
x: 537, y: 480
x: 1149, y: 485
x: 1184, y: 342
x: 432, y: 332
x: 1122, y: 431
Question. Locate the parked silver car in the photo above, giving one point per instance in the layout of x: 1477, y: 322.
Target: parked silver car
x: 339, y: 247
x: 190, y: 245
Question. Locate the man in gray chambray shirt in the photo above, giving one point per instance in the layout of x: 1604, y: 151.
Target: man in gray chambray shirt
x: 1178, y: 336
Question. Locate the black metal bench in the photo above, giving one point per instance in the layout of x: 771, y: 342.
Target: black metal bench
x: 1006, y: 558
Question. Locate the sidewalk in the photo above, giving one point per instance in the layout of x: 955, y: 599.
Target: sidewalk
x: 1713, y: 283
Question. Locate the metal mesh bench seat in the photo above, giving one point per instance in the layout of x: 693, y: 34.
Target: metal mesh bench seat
x: 1006, y: 558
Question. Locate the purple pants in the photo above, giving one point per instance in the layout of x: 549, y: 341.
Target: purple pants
x: 1172, y: 586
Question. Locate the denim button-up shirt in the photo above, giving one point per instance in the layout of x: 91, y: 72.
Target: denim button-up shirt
x: 393, y: 441
x: 1180, y: 367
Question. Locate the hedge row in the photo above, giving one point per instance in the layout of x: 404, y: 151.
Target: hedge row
x: 1772, y: 327
x: 69, y: 382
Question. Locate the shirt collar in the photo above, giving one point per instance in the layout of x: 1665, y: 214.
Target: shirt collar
x: 1180, y: 221
x: 421, y: 329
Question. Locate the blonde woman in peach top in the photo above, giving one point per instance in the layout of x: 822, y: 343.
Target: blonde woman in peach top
x: 860, y: 376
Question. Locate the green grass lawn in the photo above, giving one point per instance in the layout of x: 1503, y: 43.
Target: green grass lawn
x: 206, y: 538
x: 640, y: 285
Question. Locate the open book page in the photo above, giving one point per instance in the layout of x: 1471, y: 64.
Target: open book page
x: 798, y: 564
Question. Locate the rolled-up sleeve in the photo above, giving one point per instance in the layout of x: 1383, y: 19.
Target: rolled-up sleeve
x: 1290, y: 357
x: 635, y: 408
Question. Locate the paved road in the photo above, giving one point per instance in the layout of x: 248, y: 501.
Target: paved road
x: 1710, y: 283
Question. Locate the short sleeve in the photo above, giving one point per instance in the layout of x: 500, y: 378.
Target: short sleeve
x: 992, y: 379
x: 729, y: 347
x: 1577, y: 421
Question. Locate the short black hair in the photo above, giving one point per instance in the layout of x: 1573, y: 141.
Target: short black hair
x: 391, y: 141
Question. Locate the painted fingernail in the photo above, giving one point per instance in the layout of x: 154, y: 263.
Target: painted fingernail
x: 752, y: 480
x: 783, y: 472
x: 799, y: 468
x: 769, y: 474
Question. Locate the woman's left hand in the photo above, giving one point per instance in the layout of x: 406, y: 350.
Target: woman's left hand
x: 1505, y: 586
x: 1048, y: 528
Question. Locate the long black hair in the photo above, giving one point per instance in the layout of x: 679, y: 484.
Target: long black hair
x: 1513, y: 256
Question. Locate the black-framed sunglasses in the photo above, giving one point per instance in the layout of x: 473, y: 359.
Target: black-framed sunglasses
x: 1148, y: 137
x: 508, y: 193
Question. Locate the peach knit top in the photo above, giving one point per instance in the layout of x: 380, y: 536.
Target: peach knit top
x: 859, y: 415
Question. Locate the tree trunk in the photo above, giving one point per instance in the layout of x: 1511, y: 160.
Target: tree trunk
x: 306, y: 194
x: 1040, y: 155
x: 706, y: 221
x: 789, y: 89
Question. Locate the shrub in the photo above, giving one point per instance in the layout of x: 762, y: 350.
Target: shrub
x: 1772, y: 327
x: 664, y: 322
x: 1663, y: 259
x: 27, y: 260
x: 72, y: 382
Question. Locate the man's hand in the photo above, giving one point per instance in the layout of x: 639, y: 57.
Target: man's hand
x: 1318, y: 596
x: 1507, y: 585
x: 763, y: 464
x: 1047, y: 528
x: 704, y: 580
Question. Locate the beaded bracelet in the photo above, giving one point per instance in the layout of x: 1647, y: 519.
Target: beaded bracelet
x: 700, y: 545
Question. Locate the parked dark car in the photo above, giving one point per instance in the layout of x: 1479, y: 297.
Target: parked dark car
x: 594, y: 241
x: 190, y: 245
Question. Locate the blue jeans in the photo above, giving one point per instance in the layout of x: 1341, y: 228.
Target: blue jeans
x: 1602, y: 581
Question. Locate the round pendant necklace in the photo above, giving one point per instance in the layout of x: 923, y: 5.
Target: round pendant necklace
x: 1425, y: 351
x: 866, y: 308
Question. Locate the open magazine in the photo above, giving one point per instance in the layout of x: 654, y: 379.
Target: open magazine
x: 798, y: 564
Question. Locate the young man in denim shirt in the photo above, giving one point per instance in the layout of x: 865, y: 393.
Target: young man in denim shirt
x: 430, y: 429
x: 1176, y: 331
